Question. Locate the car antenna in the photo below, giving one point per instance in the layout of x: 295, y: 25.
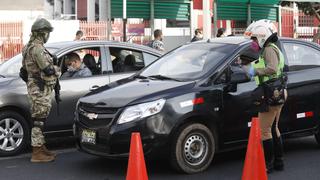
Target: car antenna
x: 208, y: 41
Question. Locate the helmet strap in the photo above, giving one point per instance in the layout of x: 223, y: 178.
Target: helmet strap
x: 272, y: 39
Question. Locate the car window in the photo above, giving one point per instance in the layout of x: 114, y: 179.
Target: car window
x: 301, y: 56
x: 12, y: 66
x: 126, y: 60
x: 241, y: 62
x: 90, y: 63
x: 149, y: 58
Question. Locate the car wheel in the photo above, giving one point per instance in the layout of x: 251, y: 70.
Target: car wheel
x: 14, y: 133
x: 193, y: 149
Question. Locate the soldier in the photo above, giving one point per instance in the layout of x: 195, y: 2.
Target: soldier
x: 41, y: 76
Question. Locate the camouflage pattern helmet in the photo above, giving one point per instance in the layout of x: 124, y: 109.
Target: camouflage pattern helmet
x: 41, y: 25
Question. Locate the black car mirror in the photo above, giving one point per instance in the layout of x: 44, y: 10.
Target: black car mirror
x: 249, y: 56
x: 239, y: 75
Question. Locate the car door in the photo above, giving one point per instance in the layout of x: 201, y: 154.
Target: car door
x: 302, y: 106
x: 237, y: 110
x: 73, y: 88
x: 129, y: 61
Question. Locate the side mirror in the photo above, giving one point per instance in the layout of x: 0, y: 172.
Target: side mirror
x: 239, y: 76
x: 249, y: 56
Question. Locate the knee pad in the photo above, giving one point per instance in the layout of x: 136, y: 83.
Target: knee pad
x: 39, y: 122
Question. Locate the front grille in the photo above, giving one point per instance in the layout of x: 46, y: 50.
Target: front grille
x: 97, y: 109
x: 95, y: 117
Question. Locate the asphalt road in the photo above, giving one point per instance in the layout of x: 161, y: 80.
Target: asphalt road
x: 302, y: 162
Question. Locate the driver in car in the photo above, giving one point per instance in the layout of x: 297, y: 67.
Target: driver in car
x: 75, y: 67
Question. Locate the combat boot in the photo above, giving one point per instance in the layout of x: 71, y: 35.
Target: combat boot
x: 49, y: 153
x: 278, y: 154
x: 268, y: 154
x: 39, y: 155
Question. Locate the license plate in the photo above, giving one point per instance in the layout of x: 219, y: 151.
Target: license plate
x: 88, y: 136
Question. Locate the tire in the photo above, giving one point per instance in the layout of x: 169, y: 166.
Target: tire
x: 184, y: 157
x: 14, y: 133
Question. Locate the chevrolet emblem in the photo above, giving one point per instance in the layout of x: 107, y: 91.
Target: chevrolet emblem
x: 91, y: 116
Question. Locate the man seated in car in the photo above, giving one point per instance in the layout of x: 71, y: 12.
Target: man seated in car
x: 75, y: 67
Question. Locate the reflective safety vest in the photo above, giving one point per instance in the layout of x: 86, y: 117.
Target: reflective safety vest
x: 261, y: 64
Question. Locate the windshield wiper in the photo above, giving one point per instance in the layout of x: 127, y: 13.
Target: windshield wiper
x: 139, y: 76
x: 2, y: 76
x: 161, y: 77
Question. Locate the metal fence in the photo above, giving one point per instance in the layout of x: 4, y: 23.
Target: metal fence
x: 10, y: 39
x: 94, y: 30
x: 308, y: 34
x: 287, y: 22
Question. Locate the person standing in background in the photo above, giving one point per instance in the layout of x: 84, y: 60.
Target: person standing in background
x: 79, y: 36
x: 157, y: 42
x: 197, y: 35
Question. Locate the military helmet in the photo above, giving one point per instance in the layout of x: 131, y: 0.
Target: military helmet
x: 41, y: 25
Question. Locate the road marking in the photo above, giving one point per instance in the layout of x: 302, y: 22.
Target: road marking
x: 28, y: 155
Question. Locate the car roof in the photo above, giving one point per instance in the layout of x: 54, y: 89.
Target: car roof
x: 238, y: 40
x: 65, y: 44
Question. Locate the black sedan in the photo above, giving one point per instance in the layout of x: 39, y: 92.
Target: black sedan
x: 108, y: 61
x: 194, y: 102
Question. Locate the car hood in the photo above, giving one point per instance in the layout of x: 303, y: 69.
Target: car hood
x: 134, y: 91
x: 5, y: 81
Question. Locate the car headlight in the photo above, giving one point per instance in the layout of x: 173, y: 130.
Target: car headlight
x: 141, y: 111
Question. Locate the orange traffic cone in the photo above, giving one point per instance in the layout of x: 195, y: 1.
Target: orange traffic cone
x: 136, y: 165
x: 254, y: 165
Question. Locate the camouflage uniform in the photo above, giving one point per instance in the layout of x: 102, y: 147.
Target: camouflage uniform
x: 42, y: 76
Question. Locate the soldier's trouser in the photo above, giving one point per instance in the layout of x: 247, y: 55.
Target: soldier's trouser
x: 40, y: 108
x: 266, y: 121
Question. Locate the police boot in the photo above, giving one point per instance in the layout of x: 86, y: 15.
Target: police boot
x: 39, y: 155
x: 49, y: 153
x: 278, y: 153
x: 268, y: 154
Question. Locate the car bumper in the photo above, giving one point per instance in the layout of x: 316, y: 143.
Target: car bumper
x: 114, y: 141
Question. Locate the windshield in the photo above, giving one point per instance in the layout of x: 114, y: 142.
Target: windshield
x: 188, y: 62
x: 12, y: 66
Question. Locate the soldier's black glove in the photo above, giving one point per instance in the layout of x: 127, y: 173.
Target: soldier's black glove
x: 57, y: 97
x: 57, y: 92
x: 23, y: 74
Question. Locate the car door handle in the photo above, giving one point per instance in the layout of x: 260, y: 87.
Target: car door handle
x: 94, y: 87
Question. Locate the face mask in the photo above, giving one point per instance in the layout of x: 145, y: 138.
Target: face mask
x: 46, y: 37
x: 71, y: 69
x: 255, y: 46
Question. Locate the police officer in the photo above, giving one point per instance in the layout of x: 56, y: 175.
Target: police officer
x: 268, y: 73
x: 41, y: 78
